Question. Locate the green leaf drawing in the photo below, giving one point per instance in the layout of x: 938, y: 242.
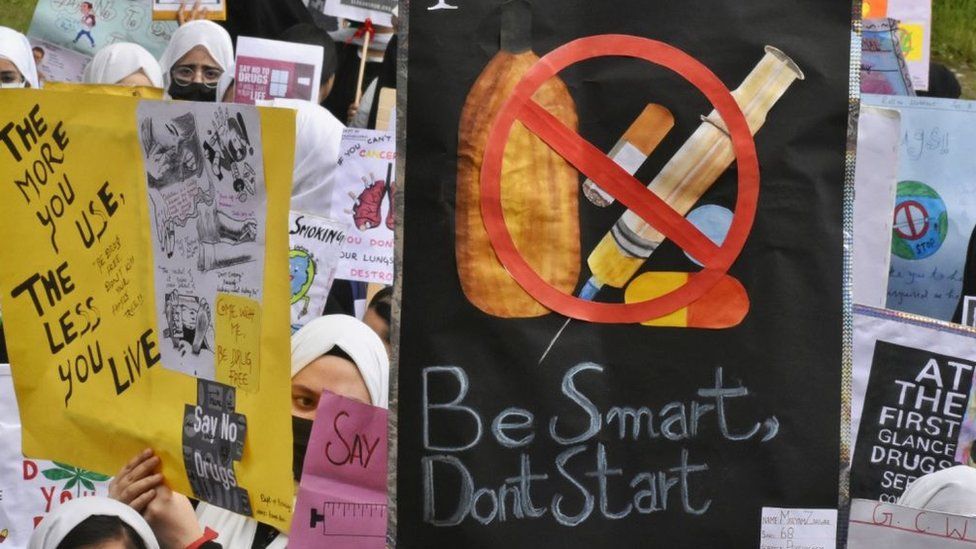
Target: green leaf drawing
x: 87, y: 483
x: 57, y: 474
x: 71, y: 483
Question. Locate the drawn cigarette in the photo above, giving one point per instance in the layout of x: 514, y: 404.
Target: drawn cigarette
x: 637, y: 143
x: 692, y: 171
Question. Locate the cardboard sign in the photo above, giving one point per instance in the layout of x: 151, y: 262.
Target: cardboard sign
x: 363, y: 196
x: 380, y: 12
x: 270, y: 69
x: 874, y: 524
x: 85, y: 27
x: 315, y: 245
x: 29, y: 488
x: 169, y: 9
x: 912, y: 381
x: 100, y: 359
x: 626, y: 434
x: 935, y: 208
x: 342, y: 495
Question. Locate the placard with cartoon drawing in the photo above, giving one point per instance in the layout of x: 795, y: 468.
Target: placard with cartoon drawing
x: 204, y: 170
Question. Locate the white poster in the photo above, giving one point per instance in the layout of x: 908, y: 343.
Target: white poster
x: 57, y: 64
x: 878, y: 134
x: 363, y: 195
x: 935, y: 203
x: 876, y: 525
x: 315, y: 243
x: 205, y: 179
x: 380, y: 12
x: 32, y: 488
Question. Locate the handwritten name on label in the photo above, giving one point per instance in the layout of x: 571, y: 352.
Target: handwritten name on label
x: 238, y: 335
x: 795, y: 528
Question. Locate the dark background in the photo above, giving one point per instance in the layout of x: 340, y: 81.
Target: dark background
x: 787, y: 351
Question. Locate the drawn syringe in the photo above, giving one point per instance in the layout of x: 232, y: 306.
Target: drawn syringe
x: 705, y: 156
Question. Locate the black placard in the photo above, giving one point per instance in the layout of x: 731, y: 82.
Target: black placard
x: 913, y: 408
x: 497, y: 450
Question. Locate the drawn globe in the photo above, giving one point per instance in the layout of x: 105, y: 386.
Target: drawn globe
x: 301, y: 272
x: 921, y: 221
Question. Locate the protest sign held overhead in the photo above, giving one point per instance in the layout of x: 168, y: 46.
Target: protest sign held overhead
x: 112, y: 290
x: 641, y: 358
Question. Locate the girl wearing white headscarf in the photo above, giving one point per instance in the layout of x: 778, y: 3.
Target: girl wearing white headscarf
x: 326, y: 353
x: 951, y: 491
x: 318, y: 135
x: 17, y: 66
x: 107, y: 520
x: 125, y: 64
x: 199, y: 53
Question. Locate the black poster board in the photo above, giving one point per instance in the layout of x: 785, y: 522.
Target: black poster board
x: 913, y: 411
x: 729, y: 420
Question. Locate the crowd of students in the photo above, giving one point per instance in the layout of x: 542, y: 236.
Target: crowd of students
x: 335, y: 352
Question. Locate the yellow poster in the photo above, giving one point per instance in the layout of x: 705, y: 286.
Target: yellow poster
x: 122, y: 221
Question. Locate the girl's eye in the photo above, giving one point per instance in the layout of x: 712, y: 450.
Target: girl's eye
x: 304, y: 403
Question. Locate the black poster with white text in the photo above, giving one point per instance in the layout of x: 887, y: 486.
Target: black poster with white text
x: 621, y: 307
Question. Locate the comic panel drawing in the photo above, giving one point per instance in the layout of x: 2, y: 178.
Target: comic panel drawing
x: 205, y: 182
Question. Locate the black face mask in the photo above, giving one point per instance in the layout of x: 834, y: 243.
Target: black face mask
x: 301, y: 431
x: 193, y: 92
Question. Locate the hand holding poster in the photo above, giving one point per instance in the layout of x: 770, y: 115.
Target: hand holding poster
x: 270, y: 69
x: 100, y: 363
x: 342, y: 496
x: 363, y: 194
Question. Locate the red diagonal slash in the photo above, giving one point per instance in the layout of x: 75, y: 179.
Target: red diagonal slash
x: 598, y: 167
x: 614, y: 180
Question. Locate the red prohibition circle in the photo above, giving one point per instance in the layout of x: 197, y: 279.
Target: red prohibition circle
x: 631, y: 193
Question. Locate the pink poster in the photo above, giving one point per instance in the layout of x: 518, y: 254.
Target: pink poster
x: 342, y: 495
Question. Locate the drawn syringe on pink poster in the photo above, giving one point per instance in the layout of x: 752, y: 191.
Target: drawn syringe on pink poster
x: 705, y: 156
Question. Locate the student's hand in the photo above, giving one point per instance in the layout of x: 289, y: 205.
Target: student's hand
x: 136, y: 484
x: 351, y: 113
x: 172, y: 519
x: 196, y: 13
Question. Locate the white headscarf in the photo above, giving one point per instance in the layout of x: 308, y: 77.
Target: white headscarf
x: 116, y: 61
x: 204, y: 33
x: 56, y: 526
x: 318, y: 136
x: 356, y: 339
x: 951, y: 490
x: 15, y: 48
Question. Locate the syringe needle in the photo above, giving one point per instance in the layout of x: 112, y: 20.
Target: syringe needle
x: 554, y: 338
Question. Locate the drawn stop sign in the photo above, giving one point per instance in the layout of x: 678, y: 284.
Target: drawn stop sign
x: 593, y: 163
x: 911, y: 220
